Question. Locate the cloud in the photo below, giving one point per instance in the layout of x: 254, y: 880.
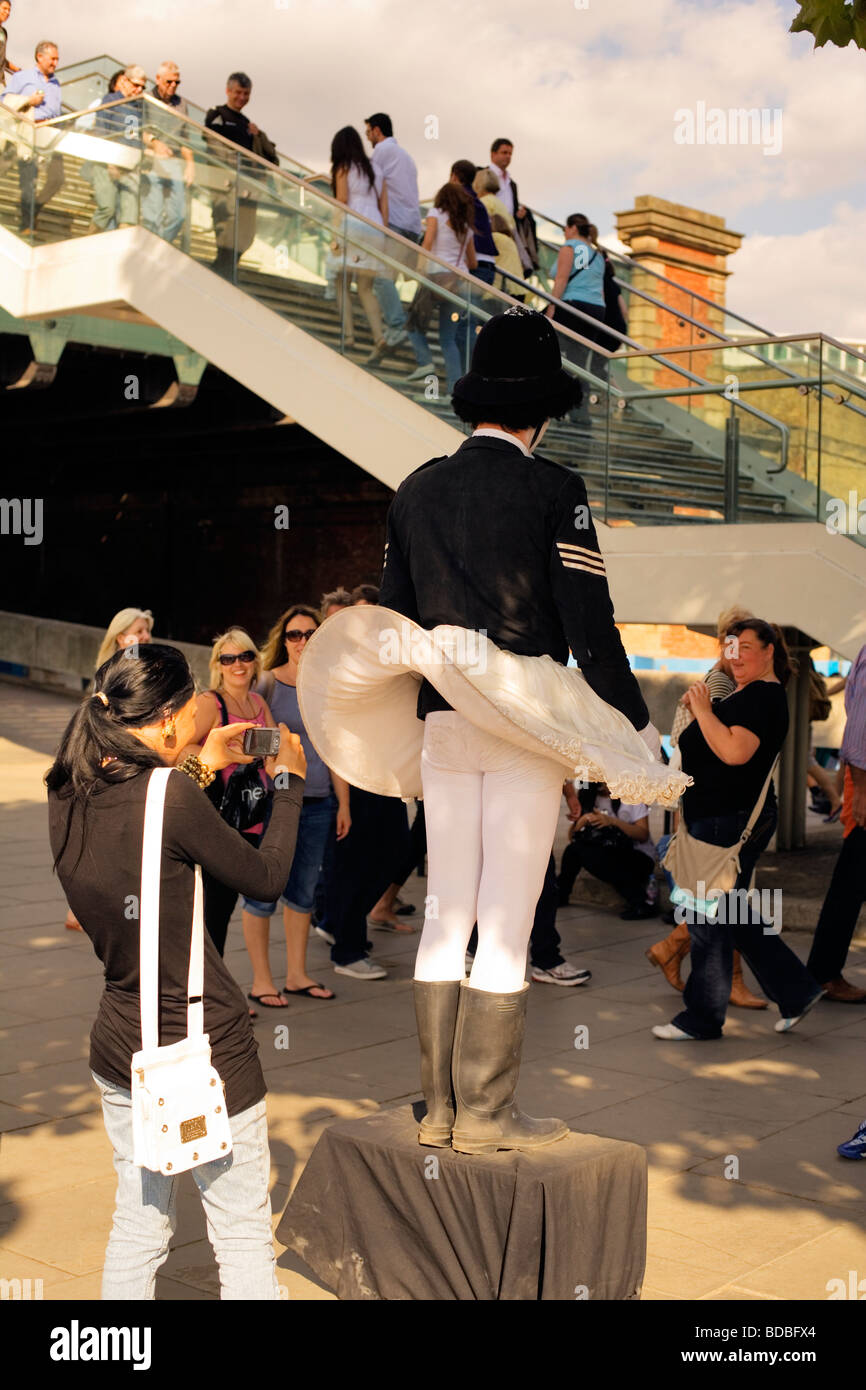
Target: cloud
x: 588, y: 95
x: 803, y: 282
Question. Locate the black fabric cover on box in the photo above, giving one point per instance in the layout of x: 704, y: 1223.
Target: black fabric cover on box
x: 373, y: 1222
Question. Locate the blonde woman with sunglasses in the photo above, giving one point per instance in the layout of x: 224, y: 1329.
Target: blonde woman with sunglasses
x: 234, y: 669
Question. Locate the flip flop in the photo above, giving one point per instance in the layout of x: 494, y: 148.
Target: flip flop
x: 323, y: 998
x: 271, y: 994
x: 389, y: 926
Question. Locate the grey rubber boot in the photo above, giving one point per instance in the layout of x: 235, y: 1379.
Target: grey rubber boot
x: 436, y: 1013
x: 485, y: 1066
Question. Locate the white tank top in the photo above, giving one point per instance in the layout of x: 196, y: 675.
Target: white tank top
x: 446, y: 246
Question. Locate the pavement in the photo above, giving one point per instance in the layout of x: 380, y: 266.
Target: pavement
x: 747, y: 1197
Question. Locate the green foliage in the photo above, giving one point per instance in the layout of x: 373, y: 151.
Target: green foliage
x: 839, y: 22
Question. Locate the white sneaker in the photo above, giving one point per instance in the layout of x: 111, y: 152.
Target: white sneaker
x: 325, y: 935
x: 395, y: 336
x: 420, y: 372
x: 362, y: 970
x: 669, y: 1032
x: 785, y: 1025
x: 564, y: 974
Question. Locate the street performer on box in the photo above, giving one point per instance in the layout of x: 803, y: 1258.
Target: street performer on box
x: 492, y: 573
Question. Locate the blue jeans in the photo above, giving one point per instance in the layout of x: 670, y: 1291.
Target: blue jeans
x: 393, y: 311
x: 234, y: 1193
x: 452, y: 342
x: 486, y: 271
x: 163, y: 199
x: 299, y: 894
x: 780, y: 973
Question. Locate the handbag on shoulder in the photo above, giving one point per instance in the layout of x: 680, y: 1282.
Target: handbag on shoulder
x: 179, y: 1116
x: 704, y: 873
x: 243, y: 800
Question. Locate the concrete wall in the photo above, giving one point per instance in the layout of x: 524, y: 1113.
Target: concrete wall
x: 63, y: 655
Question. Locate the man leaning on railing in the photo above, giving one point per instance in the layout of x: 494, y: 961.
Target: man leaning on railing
x: 34, y: 94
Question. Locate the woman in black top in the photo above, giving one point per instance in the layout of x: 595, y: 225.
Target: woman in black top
x: 729, y: 750
x: 140, y: 716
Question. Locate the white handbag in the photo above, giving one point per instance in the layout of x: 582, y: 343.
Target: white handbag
x: 179, y: 1116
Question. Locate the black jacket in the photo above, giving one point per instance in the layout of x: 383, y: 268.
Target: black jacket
x: 487, y: 538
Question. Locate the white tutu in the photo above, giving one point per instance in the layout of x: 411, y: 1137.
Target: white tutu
x: 358, y: 684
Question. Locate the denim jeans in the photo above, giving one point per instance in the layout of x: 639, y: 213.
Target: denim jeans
x: 393, y: 310
x: 163, y: 198
x: 299, y: 894
x: 234, y: 1193
x: 780, y: 974
x: 486, y: 271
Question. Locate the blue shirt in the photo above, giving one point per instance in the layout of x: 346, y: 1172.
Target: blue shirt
x: 285, y: 709
x: 401, y: 180
x: 586, y: 282
x: 30, y: 80
x: 485, y: 246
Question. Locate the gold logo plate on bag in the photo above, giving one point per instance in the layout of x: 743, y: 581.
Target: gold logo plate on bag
x: 193, y: 1129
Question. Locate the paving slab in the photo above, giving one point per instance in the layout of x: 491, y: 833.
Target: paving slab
x: 793, y: 1219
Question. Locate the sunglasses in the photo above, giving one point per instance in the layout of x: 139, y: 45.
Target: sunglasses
x: 296, y: 633
x: 245, y: 657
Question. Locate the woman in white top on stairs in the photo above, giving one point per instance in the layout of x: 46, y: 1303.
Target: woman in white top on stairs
x: 356, y: 183
x: 448, y: 233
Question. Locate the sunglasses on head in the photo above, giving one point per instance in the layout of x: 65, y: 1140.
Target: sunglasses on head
x: 245, y: 657
x: 296, y: 633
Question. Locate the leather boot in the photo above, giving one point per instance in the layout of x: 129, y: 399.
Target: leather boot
x: 741, y: 996
x: 839, y: 991
x: 669, y: 954
x: 486, y: 1062
x: 436, y: 1013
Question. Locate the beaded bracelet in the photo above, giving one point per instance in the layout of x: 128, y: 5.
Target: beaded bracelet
x: 195, y: 768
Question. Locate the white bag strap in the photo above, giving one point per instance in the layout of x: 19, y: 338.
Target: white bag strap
x: 148, y: 969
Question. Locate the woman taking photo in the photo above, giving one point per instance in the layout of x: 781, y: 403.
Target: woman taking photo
x: 281, y: 657
x: 361, y: 188
x: 669, y: 954
x: 449, y: 234
x: 728, y: 750
x: 139, y: 717
x: 127, y: 628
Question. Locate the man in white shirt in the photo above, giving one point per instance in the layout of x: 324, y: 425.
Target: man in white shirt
x: 404, y: 215
x: 500, y: 157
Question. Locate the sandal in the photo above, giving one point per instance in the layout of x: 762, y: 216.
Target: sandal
x: 402, y: 930
x: 271, y: 994
x: 309, y: 992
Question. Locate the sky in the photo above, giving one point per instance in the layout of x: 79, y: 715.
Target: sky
x: 592, y: 93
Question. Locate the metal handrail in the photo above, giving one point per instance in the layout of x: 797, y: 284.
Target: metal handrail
x: 703, y: 387
x: 695, y: 294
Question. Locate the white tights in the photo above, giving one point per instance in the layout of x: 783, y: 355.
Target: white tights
x: 491, y: 810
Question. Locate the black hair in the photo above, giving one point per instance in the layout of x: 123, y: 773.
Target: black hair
x: 114, y: 79
x: 383, y: 121
x: 368, y: 592
x: 587, y: 797
x: 465, y: 170
x: 136, y: 687
x: 347, y: 149
x: 768, y: 634
x: 241, y: 79
x: 497, y: 144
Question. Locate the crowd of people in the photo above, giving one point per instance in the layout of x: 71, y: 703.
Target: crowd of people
x: 476, y: 224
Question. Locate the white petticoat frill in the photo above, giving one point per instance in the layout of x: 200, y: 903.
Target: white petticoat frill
x: 358, y: 684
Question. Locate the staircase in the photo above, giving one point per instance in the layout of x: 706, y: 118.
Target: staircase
x: 652, y: 458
